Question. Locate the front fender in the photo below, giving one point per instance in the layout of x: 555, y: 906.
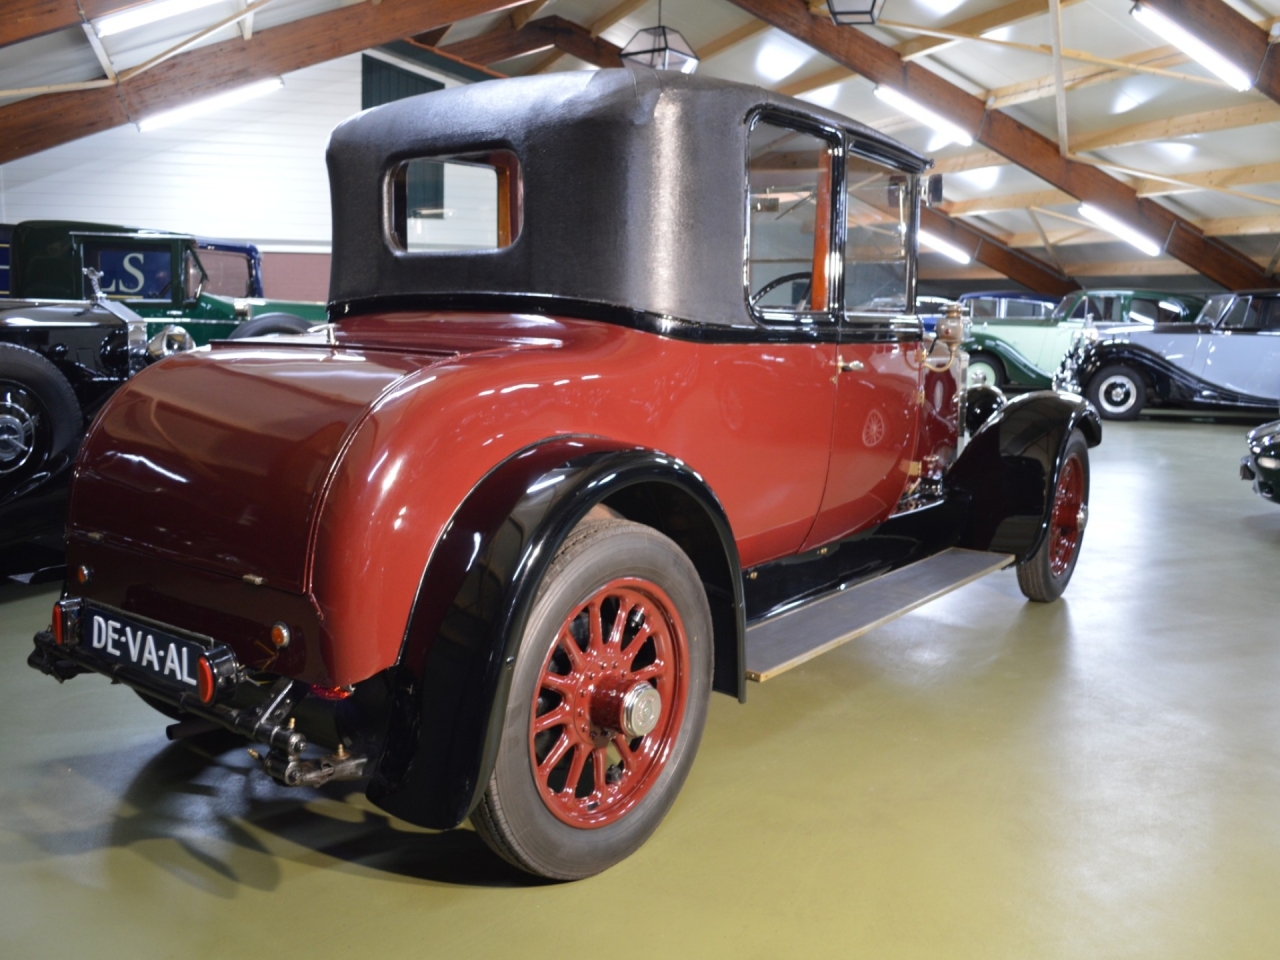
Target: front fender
x: 1007, y: 472
x: 1021, y: 371
x: 455, y: 668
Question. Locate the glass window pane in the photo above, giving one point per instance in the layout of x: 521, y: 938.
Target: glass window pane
x: 228, y: 272
x: 131, y: 271
x: 877, y: 201
x: 1243, y: 315
x: 789, y: 176
x: 442, y: 205
x: 1214, y: 308
x: 1144, y: 311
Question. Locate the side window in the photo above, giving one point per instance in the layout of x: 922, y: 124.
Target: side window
x: 789, y: 228
x: 875, y: 253
x: 1270, y: 314
x: 132, y: 271
x: 1144, y: 311
x: 229, y: 273
x: 1026, y: 309
x: 984, y: 308
x: 1243, y: 315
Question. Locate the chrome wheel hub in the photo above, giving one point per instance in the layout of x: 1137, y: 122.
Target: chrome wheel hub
x: 641, y: 710
x: 17, y: 437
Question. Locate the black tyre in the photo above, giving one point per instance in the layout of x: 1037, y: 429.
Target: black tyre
x: 989, y: 365
x: 270, y: 323
x: 1118, y: 392
x: 607, y: 704
x: 1045, y: 574
x: 40, y: 416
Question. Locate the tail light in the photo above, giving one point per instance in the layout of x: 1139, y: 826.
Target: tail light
x: 206, y: 683
x: 65, y: 625
x: 57, y: 627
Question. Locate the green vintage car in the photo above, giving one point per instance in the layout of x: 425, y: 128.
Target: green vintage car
x: 211, y: 289
x: 1021, y: 352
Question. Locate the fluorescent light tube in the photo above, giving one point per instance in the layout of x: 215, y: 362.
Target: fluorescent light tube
x: 935, y: 242
x: 210, y: 104
x: 905, y: 105
x: 147, y: 13
x: 1192, y: 46
x: 1121, y: 230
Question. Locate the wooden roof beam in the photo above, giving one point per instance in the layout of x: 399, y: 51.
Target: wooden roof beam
x: 1233, y: 35
x: 1000, y: 132
x: 545, y: 33
x: 39, y: 123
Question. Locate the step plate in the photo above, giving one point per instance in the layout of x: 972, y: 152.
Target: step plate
x: 788, y: 640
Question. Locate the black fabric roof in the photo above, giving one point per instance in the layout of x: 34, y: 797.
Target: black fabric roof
x: 633, y: 189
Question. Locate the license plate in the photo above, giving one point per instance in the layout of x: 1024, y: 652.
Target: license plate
x: 119, y: 638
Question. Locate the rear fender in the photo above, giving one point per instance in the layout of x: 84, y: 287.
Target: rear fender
x: 454, y: 672
x: 1007, y: 472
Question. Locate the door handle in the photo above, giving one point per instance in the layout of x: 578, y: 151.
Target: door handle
x: 849, y: 366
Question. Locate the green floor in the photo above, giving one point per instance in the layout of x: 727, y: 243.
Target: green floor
x: 983, y: 778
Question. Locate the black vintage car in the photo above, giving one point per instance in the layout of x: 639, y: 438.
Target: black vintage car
x: 1261, y: 464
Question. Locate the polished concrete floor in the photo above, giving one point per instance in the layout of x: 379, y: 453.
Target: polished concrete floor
x: 984, y: 778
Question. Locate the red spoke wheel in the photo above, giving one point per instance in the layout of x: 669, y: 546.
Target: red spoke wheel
x: 1044, y: 575
x: 607, y: 703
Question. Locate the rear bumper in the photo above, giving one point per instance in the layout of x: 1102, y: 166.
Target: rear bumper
x: 287, y: 716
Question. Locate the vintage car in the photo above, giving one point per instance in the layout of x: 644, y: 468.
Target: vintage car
x: 1261, y: 465
x: 604, y: 441
x: 1228, y: 358
x: 64, y: 349
x: 1024, y: 351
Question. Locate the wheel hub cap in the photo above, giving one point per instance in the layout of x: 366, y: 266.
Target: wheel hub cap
x: 609, y: 703
x: 17, y: 436
x: 1117, y: 394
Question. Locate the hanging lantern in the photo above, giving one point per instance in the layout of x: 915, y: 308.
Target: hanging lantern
x: 660, y: 48
x: 853, y: 12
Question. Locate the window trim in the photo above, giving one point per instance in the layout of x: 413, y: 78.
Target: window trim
x: 910, y: 278
x: 835, y: 137
x: 510, y: 196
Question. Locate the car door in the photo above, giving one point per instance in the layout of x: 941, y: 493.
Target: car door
x: 1242, y: 353
x: 878, y: 375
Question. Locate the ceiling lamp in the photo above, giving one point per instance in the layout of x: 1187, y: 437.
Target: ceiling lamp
x: 147, y: 13
x: 916, y: 111
x: 660, y: 48
x: 935, y: 242
x: 210, y: 104
x: 846, y: 13
x: 1121, y: 230
x: 1192, y: 46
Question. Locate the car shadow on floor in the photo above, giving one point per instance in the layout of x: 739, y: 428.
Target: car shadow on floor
x: 202, y: 812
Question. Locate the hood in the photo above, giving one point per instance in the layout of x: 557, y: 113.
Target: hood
x: 220, y: 457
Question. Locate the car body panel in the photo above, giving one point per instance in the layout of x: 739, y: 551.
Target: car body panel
x: 1206, y: 364
x: 1042, y: 343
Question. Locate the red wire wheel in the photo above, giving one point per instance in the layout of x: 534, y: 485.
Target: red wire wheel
x: 1044, y: 575
x: 609, y: 704
x: 1064, y: 526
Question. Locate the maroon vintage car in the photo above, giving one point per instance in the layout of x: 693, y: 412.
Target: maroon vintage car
x: 622, y: 402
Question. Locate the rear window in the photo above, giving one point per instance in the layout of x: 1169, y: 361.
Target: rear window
x: 228, y: 273
x: 131, y: 270
x: 454, y: 204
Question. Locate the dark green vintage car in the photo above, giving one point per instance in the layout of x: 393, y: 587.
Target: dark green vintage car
x: 167, y: 278
x: 1022, y: 352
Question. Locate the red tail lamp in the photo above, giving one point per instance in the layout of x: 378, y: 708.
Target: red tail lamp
x: 57, y: 626
x: 206, y: 682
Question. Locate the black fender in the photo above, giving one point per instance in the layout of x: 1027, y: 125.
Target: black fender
x: 1006, y: 475
x: 454, y: 673
x: 1166, y: 381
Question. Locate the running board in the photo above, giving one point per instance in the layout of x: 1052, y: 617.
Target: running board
x: 776, y: 645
